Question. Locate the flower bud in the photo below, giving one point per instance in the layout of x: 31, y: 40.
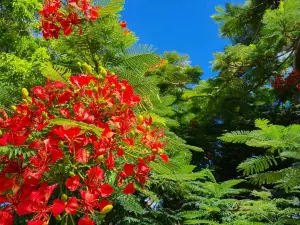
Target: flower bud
x: 71, y: 173
x: 29, y: 99
x: 58, y: 218
x: 102, y: 216
x: 61, y: 144
x: 45, y: 115
x: 64, y: 197
x: 160, y: 151
x: 25, y: 92
x: 140, y: 119
x: 13, y: 107
x: 113, y: 86
x: 100, y: 158
x: 102, y: 71
x: 132, y: 133
x: 87, y: 68
x: 123, y: 88
x: 148, y: 128
x: 106, y: 209
x: 113, y: 109
x: 124, y: 107
x: 66, y: 159
x: 1, y: 132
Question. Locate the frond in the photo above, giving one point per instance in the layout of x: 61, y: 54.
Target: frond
x: 192, y: 214
x: 264, y: 195
x: 110, y: 6
x: 139, y: 49
x: 262, y: 123
x: 8, y: 95
x: 291, y: 154
x: 13, y: 152
x: 290, y: 179
x: 55, y: 73
x: 73, y: 123
x: 266, y: 178
x: 130, y: 203
x: 236, y: 137
x: 140, y: 63
x: 244, y: 222
x: 230, y: 183
x: 256, y: 164
x: 209, y: 222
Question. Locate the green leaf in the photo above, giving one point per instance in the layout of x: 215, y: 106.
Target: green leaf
x: 113, y: 7
x: 72, y: 123
x: 200, y: 222
x: 55, y: 73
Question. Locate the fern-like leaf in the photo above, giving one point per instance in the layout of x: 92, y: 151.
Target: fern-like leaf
x: 209, y: 222
x: 257, y: 164
x: 111, y: 7
x: 55, y: 73
x: 236, y: 137
x: 73, y: 123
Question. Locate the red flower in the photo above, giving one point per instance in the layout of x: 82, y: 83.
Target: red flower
x: 59, y: 206
x: 81, y: 80
x: 164, y: 157
x: 106, y: 104
x: 92, y: 14
x: 106, y: 190
x: 129, y: 189
x: 35, y: 222
x: 64, y: 97
x: 65, y: 112
x: 6, y: 183
x: 89, y: 200
x: 82, y: 156
x: 6, y: 218
x: 110, y: 162
x: 86, y: 221
x: 105, y: 206
x: 95, y: 174
x: 73, y: 183
x: 72, y: 206
x: 128, y: 169
x: 39, y: 92
x: 120, y: 152
x: 37, y: 202
x: 123, y: 24
x: 73, y: 3
x: 59, y: 85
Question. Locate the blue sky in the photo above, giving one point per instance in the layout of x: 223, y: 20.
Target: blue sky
x: 181, y: 25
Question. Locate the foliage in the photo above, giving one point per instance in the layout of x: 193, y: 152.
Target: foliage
x: 216, y: 205
x: 282, y: 143
x: 103, y: 146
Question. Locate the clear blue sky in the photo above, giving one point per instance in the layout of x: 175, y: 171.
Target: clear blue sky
x: 181, y: 25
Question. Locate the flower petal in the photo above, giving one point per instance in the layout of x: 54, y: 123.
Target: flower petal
x: 129, y: 189
x: 58, y: 207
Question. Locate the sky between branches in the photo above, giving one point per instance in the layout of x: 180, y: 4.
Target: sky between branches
x: 181, y: 25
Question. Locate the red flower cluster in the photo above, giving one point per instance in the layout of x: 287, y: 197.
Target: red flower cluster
x: 290, y: 82
x: 56, y: 16
x: 123, y: 25
x: 87, y: 127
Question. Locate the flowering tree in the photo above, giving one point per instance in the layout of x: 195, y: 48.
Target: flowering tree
x: 56, y: 16
x: 81, y: 142
x: 287, y: 87
x: 86, y: 127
